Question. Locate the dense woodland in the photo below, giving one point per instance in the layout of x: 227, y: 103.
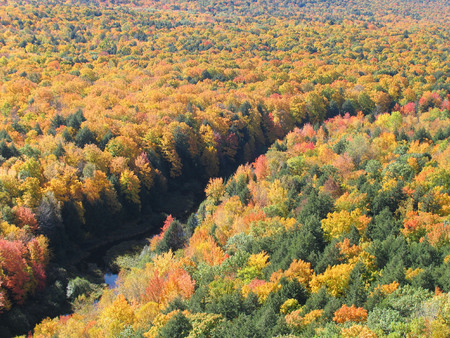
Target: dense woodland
x: 340, y: 228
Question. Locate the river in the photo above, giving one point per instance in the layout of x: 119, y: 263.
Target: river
x: 94, y: 260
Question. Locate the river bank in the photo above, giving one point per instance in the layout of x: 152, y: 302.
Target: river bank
x: 94, y: 258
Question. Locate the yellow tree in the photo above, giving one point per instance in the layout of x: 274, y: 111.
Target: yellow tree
x: 335, y: 278
x: 340, y: 222
x: 144, y: 170
x: 209, y: 155
x: 116, y: 316
x: 130, y: 186
x: 170, y: 153
x: 301, y: 271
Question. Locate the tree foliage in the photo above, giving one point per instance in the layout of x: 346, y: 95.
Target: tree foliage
x: 105, y: 104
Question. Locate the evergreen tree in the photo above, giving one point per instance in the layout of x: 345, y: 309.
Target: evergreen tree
x: 5, y: 151
x: 84, y: 136
x: 393, y: 271
x: 357, y: 294
x: 59, y: 151
x: 57, y: 121
x: 177, y: 326
x: 74, y: 120
x: 38, y: 129
x: 174, y: 238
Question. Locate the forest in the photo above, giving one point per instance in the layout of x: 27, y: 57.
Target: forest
x: 314, y: 134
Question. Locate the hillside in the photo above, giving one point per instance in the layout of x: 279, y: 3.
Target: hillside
x: 114, y: 112
x: 341, y: 229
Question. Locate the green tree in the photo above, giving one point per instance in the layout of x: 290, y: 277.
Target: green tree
x: 383, y: 225
x: 177, y: 326
x: 84, y: 136
x: 357, y: 294
x: 365, y: 103
x: 174, y: 238
x: 348, y: 107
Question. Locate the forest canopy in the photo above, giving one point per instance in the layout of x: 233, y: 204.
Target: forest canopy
x: 106, y: 105
x: 336, y: 230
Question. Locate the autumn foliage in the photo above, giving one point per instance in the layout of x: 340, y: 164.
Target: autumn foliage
x: 272, y: 239
x: 107, y: 105
x: 350, y: 314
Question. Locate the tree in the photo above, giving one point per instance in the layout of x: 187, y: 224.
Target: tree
x: 74, y: 120
x: 57, y: 121
x: 333, y: 109
x: 348, y: 107
x: 122, y: 146
x: 5, y: 151
x: 130, y: 186
x: 329, y: 257
x: 260, y: 167
x: 316, y: 107
x: 170, y: 154
x: 177, y: 326
x: 145, y: 173
x: 215, y: 189
x: 49, y: 218
x: 338, y: 223
x: 106, y: 138
x: 393, y: 271
x: 352, y: 314
x: 335, y: 278
x: 209, y: 157
x: 357, y: 294
x: 38, y: 129
x: 59, y: 151
x: 115, y: 317
x: 25, y: 217
x: 383, y: 225
x: 77, y: 287
x: 14, y: 270
x: 365, y: 103
x: 84, y: 136
x: 173, y: 239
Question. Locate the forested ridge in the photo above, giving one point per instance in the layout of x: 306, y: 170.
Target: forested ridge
x: 108, y: 105
x: 339, y: 230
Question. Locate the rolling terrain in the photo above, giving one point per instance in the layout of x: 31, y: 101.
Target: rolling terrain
x: 113, y: 112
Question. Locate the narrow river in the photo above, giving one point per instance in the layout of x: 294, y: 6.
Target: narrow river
x: 94, y: 261
x: 110, y: 279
